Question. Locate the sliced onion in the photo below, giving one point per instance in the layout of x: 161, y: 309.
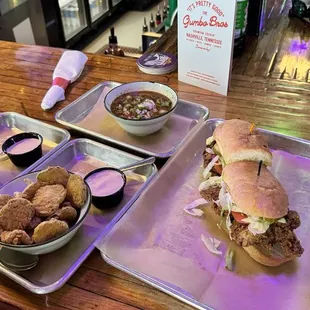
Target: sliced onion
x: 210, y: 151
x: 194, y: 212
x: 191, y: 208
x: 217, y: 202
x: 210, y: 166
x: 211, y: 244
x: 282, y: 220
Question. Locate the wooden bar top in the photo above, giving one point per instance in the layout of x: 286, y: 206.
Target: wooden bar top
x: 26, y: 75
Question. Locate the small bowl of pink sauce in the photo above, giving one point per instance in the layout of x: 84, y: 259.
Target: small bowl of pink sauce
x: 23, y: 149
x: 107, y: 187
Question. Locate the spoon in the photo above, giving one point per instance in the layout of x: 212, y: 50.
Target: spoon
x: 138, y: 164
x: 17, y: 261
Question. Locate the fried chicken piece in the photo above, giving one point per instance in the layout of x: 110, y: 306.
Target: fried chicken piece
x: 76, y: 190
x: 16, y: 214
x: 16, y: 237
x: 66, y: 204
x: 28, y: 181
x: 29, y: 192
x: 48, y: 230
x: 67, y: 214
x: 53, y: 175
x: 47, y: 199
x: 4, y: 200
x: 36, y: 220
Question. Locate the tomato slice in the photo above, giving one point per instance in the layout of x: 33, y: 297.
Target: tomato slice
x: 218, y: 168
x: 238, y: 216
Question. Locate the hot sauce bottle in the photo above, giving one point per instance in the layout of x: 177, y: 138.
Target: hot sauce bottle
x: 158, y: 17
x: 113, y: 48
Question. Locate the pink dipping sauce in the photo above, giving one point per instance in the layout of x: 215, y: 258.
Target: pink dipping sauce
x: 105, y: 182
x: 24, y: 146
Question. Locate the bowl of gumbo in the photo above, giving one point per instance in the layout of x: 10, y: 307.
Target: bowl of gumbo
x: 141, y: 108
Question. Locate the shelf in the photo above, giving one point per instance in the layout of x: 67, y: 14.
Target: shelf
x: 63, y: 3
x: 98, y: 15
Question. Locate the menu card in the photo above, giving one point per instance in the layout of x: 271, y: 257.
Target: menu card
x: 205, y: 43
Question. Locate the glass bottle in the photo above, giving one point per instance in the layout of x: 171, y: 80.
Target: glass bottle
x: 113, y: 48
x: 145, y: 27
x: 152, y: 23
x: 158, y: 17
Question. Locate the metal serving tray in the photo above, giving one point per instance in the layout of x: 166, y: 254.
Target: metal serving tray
x: 161, y: 244
x: 82, y: 156
x: 90, y: 117
x: 13, y: 123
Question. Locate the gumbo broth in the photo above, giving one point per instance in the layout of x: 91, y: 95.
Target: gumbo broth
x: 141, y: 105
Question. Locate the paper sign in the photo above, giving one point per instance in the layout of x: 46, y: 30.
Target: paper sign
x: 205, y: 43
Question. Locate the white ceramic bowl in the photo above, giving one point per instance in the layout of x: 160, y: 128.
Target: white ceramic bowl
x: 18, y: 185
x: 142, y: 127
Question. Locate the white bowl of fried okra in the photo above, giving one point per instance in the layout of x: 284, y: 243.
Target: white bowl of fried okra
x: 40, y: 212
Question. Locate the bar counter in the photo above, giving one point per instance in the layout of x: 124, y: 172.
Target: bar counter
x: 26, y: 75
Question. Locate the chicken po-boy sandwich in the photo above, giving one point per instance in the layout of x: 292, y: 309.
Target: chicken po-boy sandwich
x: 254, y: 210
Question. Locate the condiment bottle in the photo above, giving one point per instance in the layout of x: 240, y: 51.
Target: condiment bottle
x: 158, y: 17
x: 164, y: 11
x: 145, y: 27
x: 113, y: 47
x: 152, y: 23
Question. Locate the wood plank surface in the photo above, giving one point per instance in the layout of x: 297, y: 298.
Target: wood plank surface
x: 25, y: 76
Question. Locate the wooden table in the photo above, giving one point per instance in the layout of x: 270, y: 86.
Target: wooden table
x: 25, y: 76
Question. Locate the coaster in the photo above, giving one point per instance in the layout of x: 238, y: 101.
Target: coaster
x: 157, y: 63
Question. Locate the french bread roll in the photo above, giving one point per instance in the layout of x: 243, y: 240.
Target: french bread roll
x: 255, y: 195
x: 235, y: 141
x: 266, y: 256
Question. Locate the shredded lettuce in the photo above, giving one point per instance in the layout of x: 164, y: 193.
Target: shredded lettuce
x: 227, y: 205
x: 209, y: 140
x: 259, y: 225
x: 212, y: 181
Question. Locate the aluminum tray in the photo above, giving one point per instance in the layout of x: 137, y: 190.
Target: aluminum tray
x: 81, y: 156
x: 12, y: 123
x: 85, y: 115
x: 161, y: 244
